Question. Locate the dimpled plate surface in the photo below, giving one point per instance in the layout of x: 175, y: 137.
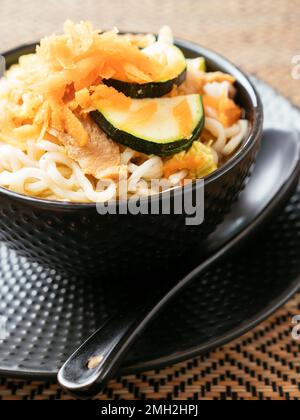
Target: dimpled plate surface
x: 48, y: 316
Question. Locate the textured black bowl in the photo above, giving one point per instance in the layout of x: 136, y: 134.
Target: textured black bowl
x: 75, y: 239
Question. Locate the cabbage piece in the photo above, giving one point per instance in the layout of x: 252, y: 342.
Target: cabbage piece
x: 198, y: 161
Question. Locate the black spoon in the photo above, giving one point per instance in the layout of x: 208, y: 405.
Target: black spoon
x: 274, y: 178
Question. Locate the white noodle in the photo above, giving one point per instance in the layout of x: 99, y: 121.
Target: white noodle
x: 26, y: 176
x: 48, y: 146
x: 48, y: 163
x: 132, y: 167
x: 217, y: 129
x: 232, y: 131
x: 120, y: 172
x: 16, y: 180
x: 228, y: 139
x: 176, y: 179
x: 127, y: 155
x: 13, y: 159
x: 151, y: 169
x: 235, y: 141
x: 216, y: 89
x: 166, y: 35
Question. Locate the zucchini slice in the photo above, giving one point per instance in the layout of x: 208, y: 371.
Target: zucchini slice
x: 162, y: 126
x: 174, y: 73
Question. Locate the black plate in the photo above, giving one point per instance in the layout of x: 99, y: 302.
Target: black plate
x: 49, y: 316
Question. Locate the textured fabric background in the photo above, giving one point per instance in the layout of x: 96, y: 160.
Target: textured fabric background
x: 261, y: 37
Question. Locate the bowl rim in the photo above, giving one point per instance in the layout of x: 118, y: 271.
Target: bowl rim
x: 220, y: 61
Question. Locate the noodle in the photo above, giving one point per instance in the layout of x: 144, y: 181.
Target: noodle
x: 151, y: 169
x: 216, y: 128
x: 176, y: 178
x: 45, y: 174
x: 235, y: 141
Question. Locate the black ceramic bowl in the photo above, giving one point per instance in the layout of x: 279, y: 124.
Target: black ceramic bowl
x: 75, y: 239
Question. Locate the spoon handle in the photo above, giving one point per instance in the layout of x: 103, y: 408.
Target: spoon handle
x: 97, y: 360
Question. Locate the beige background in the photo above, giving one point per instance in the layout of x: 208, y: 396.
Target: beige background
x: 261, y: 36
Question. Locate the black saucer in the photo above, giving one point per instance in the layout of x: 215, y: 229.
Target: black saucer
x: 49, y: 316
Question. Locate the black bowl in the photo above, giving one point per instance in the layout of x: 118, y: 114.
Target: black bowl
x: 73, y: 238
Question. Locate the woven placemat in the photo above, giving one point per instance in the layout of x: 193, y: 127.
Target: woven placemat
x: 263, y: 364
x: 262, y: 37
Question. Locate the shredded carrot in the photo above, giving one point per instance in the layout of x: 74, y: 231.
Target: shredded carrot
x: 211, y: 101
x: 64, y: 55
x: 140, y: 40
x: 63, y: 72
x: 43, y: 115
x: 182, y: 113
x: 82, y: 53
x: 188, y: 162
x: 83, y: 99
x: 27, y: 131
x: 74, y: 127
x: 107, y: 72
x: 108, y: 96
x: 227, y: 110
x: 136, y: 75
x: 89, y: 80
x: 57, y: 119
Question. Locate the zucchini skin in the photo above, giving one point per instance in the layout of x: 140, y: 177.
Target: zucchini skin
x: 145, y: 146
x: 146, y: 90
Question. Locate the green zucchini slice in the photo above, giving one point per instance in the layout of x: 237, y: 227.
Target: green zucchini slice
x: 157, y: 133
x: 174, y: 73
